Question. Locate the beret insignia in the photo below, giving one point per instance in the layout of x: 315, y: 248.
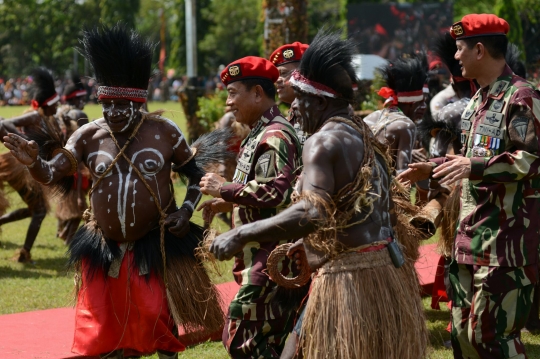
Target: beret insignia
x: 289, y: 53
x: 458, y: 29
x: 234, y: 70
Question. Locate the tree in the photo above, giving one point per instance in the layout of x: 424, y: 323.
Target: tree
x: 326, y: 13
x: 113, y: 11
x: 284, y: 22
x: 41, y: 33
x: 235, y: 31
x: 507, y: 10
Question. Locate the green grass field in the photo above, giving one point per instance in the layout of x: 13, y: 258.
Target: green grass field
x: 47, y: 283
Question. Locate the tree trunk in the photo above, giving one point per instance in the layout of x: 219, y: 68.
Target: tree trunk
x: 284, y: 22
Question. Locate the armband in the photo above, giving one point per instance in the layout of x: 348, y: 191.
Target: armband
x: 71, y: 158
x: 189, y: 206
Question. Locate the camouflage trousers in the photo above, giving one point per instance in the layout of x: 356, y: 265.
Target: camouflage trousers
x: 490, y: 307
x: 256, y: 326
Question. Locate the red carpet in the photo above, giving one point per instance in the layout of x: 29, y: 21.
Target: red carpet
x: 426, y: 267
x: 47, y: 334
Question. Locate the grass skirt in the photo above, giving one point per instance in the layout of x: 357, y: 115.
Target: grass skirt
x: 18, y: 178
x: 449, y: 222
x: 193, y: 300
x: 362, y: 307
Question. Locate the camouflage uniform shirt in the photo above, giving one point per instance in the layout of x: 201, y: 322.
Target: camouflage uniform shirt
x: 500, y: 206
x: 262, y: 186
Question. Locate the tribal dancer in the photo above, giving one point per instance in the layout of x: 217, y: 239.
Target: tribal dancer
x: 70, y: 208
x: 343, y: 210
x: 286, y: 58
x: 495, y: 251
x: 137, y: 274
x: 74, y: 98
x: 44, y: 104
x: 258, y: 322
x: 404, y: 105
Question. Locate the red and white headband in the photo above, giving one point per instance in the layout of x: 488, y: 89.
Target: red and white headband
x: 312, y: 87
x: 403, y: 97
x: 126, y: 93
x: 77, y: 93
x: 48, y: 102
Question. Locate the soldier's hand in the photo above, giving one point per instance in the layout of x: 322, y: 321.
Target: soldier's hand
x: 212, y: 207
x: 227, y: 245
x: 211, y: 184
x: 26, y: 152
x: 417, y: 172
x: 457, y: 168
x: 178, y: 222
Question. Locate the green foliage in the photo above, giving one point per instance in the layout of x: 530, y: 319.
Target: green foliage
x: 177, y: 31
x: 507, y: 10
x: 235, y: 31
x: 211, y: 109
x: 43, y: 32
x: 113, y: 11
x: 325, y: 13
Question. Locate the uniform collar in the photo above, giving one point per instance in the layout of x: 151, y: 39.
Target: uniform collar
x: 497, y: 89
x: 270, y: 114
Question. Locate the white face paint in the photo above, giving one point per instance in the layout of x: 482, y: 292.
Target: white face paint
x: 131, y: 116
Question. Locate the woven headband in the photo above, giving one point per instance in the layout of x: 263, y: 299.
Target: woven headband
x: 48, y: 102
x: 132, y: 94
x: 312, y: 87
x: 78, y: 93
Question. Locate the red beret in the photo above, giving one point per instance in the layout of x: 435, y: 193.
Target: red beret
x: 479, y: 25
x: 288, y: 53
x: 250, y: 67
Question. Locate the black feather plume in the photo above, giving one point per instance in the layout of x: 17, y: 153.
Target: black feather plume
x: 75, y: 85
x: 43, y: 84
x: 445, y: 49
x: 119, y: 56
x: 212, y: 148
x: 512, y: 59
x: 328, y: 60
x: 406, y: 74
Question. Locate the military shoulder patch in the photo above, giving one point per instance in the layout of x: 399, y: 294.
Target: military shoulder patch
x: 521, y: 125
x: 264, y: 162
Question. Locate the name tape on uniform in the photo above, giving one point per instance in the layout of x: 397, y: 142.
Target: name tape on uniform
x: 489, y: 131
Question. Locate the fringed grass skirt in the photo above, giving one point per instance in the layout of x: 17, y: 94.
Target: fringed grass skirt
x: 362, y: 307
x: 18, y: 178
x: 122, y: 301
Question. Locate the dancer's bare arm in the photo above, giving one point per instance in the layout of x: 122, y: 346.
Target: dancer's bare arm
x: 46, y: 172
x: 178, y: 222
x: 297, y: 220
x: 28, y: 119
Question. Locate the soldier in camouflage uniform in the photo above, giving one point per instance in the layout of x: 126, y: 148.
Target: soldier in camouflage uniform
x: 495, y: 262
x: 286, y: 58
x: 257, y: 325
